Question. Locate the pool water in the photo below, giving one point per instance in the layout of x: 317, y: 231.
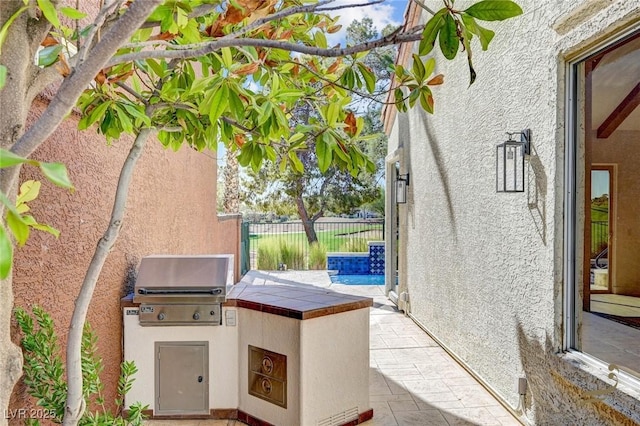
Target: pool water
x: 358, y: 279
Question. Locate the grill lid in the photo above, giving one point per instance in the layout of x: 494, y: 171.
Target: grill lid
x: 169, y: 276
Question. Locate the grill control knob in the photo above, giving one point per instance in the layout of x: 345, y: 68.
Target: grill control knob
x: 161, y: 316
x: 196, y: 316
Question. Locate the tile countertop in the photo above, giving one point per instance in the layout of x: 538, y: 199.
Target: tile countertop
x: 294, y: 302
x: 287, y: 301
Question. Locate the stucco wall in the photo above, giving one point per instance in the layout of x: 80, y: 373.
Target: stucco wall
x: 484, y: 269
x: 171, y: 210
x: 620, y: 149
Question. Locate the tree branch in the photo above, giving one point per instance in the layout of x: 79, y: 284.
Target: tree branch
x: 424, y: 6
x: 106, y: 10
x: 210, y: 47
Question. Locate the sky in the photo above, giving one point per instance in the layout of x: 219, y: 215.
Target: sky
x: 388, y: 12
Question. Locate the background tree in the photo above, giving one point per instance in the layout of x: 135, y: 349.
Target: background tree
x: 133, y: 70
x: 315, y: 192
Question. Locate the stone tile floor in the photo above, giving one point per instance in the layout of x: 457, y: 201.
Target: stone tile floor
x: 413, y: 381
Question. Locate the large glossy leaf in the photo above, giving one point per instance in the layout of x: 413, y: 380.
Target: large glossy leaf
x: 49, y: 55
x: 448, y: 38
x: 218, y: 103
x: 72, y: 13
x: 430, y: 32
x: 18, y: 227
x: 49, y: 11
x: 57, y: 173
x: 494, y: 10
x: 418, y: 68
x: 8, y: 158
x: 324, y: 154
x: 484, y: 35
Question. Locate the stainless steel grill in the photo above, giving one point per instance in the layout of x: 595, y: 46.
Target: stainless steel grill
x: 181, y: 290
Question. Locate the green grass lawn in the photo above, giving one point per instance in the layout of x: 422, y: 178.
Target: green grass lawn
x: 332, y: 239
x: 599, y: 228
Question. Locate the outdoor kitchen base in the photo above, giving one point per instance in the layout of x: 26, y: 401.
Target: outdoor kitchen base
x: 305, y: 352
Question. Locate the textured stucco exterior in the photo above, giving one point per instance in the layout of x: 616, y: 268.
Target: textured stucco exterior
x: 171, y: 210
x: 484, y: 270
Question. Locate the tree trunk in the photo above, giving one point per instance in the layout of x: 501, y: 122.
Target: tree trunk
x: 307, y: 222
x: 231, y: 198
x: 75, y: 401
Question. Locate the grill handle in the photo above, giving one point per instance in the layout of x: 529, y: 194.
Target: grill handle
x: 143, y: 290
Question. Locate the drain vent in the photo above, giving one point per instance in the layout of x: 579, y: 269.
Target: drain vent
x: 340, y: 419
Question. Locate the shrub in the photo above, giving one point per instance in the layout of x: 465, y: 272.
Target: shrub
x: 355, y: 245
x: 317, y: 256
x: 268, y: 254
x: 292, y: 255
x: 44, y: 374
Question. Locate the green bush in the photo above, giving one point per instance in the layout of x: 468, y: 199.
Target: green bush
x: 292, y: 255
x: 317, y: 256
x: 44, y: 374
x: 355, y: 245
x: 268, y: 254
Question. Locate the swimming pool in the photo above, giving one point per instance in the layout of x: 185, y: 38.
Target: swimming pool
x: 358, y: 279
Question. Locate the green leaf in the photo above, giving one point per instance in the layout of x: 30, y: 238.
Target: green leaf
x: 49, y: 11
x: 218, y: 103
x: 418, y: 68
x: 29, y: 191
x: 125, y: 121
x: 297, y: 164
x: 430, y: 32
x: 369, y: 77
x: 98, y: 112
x: 156, y: 67
x: 429, y: 66
x: 494, y: 10
x: 57, y: 173
x: 6, y: 254
x: 485, y: 35
x: 46, y: 228
x: 324, y: 154
x: 8, y: 159
x: 72, y: 13
x: 448, y: 38
x: 3, y: 75
x: 18, y: 227
x: 320, y: 39
x: 227, y: 57
x: 49, y: 55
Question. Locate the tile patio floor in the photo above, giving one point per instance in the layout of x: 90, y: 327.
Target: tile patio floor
x: 413, y: 381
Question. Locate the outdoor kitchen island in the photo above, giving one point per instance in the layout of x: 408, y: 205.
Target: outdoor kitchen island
x: 282, y: 355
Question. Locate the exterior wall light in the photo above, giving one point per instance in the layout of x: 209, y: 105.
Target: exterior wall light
x: 401, y: 188
x: 510, y: 162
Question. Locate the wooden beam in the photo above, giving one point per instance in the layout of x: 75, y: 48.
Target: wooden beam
x: 619, y: 114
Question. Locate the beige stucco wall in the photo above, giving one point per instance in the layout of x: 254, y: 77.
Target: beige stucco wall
x: 484, y: 270
x: 171, y: 210
x: 620, y: 150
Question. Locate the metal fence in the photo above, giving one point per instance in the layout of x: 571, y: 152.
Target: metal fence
x: 334, y: 234
x: 599, y: 237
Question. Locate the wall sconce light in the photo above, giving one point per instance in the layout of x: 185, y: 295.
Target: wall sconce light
x: 401, y: 188
x: 510, y: 162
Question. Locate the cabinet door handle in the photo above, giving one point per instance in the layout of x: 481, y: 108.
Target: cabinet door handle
x: 200, y: 379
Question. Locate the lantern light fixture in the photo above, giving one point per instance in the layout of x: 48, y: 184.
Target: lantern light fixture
x: 510, y: 157
x: 402, y: 181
